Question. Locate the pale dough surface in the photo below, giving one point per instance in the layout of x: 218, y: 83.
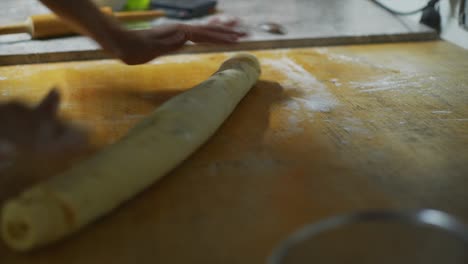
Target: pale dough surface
x: 67, y: 202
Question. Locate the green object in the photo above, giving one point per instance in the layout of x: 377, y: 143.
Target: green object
x: 135, y: 5
x: 138, y: 25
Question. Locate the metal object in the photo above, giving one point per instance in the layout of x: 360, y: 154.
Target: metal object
x: 463, y: 16
x: 185, y: 9
x: 273, y: 28
x: 427, y: 217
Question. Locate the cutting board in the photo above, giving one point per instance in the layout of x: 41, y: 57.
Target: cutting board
x: 325, y: 131
x: 307, y: 23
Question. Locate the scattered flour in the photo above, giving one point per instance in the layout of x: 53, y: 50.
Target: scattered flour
x: 307, y: 95
x: 336, y: 82
x: 313, y: 97
x: 294, y: 124
x: 456, y: 119
x: 292, y: 105
x: 2, y: 78
x: 354, y: 125
x: 389, y: 82
x: 322, y: 50
x: 89, y: 65
x: 316, y: 103
x: 397, y: 80
x: 442, y: 112
x: 341, y: 58
x: 176, y: 59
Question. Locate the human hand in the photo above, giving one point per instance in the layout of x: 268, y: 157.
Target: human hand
x: 36, y: 131
x: 35, y: 143
x: 144, y: 45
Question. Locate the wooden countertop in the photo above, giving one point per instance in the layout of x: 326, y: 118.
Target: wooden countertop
x: 325, y: 131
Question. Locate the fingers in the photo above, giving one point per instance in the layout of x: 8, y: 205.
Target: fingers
x: 212, y: 34
x: 159, y: 40
x: 177, y: 34
x: 225, y: 21
x: 223, y: 29
x: 49, y: 105
x: 174, y: 36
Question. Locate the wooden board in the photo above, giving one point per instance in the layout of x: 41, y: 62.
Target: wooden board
x: 325, y: 131
x: 308, y: 23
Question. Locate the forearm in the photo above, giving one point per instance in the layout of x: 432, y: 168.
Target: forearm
x: 135, y: 47
x: 88, y: 19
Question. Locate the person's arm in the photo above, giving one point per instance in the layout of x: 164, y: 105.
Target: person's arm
x: 135, y: 47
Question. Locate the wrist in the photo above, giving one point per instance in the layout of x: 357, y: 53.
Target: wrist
x: 132, y: 47
x: 122, y: 43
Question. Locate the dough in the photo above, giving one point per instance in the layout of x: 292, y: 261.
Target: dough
x: 65, y: 203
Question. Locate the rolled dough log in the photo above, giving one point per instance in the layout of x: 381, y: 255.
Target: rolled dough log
x: 67, y: 202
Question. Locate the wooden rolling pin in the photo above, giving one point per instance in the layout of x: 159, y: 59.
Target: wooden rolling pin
x: 50, y: 25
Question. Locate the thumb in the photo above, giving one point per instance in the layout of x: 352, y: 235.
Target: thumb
x: 49, y: 105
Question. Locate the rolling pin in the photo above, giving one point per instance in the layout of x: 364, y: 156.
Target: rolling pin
x: 50, y: 25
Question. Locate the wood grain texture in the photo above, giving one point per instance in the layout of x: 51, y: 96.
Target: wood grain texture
x: 307, y: 22
x: 325, y: 131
